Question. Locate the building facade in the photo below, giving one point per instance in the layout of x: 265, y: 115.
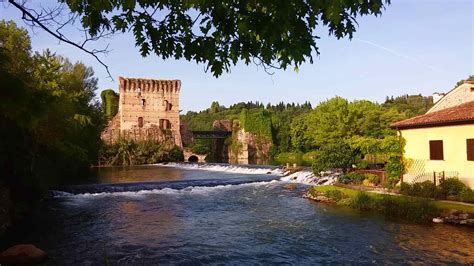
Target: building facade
x: 440, y: 143
x: 461, y: 94
x: 148, y: 110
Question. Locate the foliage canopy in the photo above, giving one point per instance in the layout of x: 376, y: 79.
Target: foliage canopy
x: 220, y: 33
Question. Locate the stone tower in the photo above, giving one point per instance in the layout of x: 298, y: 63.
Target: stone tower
x: 148, y: 109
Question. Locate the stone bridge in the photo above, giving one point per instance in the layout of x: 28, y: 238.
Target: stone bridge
x: 192, y: 157
x: 221, y: 130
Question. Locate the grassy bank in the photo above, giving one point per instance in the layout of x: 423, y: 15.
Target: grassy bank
x: 399, y: 207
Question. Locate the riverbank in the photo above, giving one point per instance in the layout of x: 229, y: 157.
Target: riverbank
x: 414, y: 209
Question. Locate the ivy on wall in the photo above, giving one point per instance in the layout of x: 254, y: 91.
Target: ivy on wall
x: 110, y: 103
x: 258, y: 123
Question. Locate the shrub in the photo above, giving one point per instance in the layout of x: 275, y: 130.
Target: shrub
x: 335, y: 194
x: 452, y: 187
x: 372, y: 178
x: 352, y: 177
x: 308, y: 158
x: 366, y: 183
x: 363, y: 164
x: 410, y: 209
x: 129, y: 152
x: 362, y: 201
x: 424, y: 189
x: 396, y: 164
x: 413, y: 210
x: 290, y: 157
x: 175, y: 155
x: 394, y: 169
x: 334, y: 156
x: 466, y: 195
x: 406, y: 188
x: 200, y: 146
x: 343, y: 179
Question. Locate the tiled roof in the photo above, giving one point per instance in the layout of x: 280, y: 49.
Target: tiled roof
x: 461, y: 114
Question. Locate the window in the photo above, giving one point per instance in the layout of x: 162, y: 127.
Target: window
x: 143, y: 102
x: 140, y: 122
x: 436, y: 150
x: 165, y: 124
x: 470, y: 149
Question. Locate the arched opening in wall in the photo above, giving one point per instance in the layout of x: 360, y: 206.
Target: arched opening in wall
x: 143, y: 102
x: 169, y: 107
x: 140, y: 121
x: 193, y: 159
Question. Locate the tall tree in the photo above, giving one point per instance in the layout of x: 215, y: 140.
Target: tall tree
x: 215, y: 106
x: 50, y: 120
x: 329, y: 121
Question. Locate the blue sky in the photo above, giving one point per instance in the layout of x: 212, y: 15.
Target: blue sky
x: 421, y: 46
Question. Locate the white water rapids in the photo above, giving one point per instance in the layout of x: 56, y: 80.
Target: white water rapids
x: 305, y: 177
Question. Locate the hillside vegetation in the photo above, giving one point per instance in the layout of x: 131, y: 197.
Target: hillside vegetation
x: 299, y: 132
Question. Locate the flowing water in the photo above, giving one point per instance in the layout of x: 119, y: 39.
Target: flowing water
x: 219, y: 214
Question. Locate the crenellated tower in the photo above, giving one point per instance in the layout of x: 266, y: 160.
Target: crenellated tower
x: 147, y: 109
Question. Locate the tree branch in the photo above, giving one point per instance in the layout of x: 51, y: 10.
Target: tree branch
x: 28, y: 16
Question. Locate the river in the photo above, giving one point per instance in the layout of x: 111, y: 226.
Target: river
x: 217, y: 214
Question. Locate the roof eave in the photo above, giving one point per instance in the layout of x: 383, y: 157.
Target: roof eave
x: 433, y: 124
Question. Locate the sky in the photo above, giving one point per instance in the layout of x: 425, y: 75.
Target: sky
x: 422, y: 46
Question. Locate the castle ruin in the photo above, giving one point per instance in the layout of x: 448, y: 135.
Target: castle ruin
x: 148, y: 110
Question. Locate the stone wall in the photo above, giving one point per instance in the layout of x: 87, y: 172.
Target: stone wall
x: 220, y: 147
x: 186, y: 135
x: 252, y: 148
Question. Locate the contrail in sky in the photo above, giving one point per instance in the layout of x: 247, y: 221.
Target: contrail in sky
x: 409, y: 58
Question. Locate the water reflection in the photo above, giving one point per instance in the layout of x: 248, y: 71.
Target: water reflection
x: 129, y: 174
x: 147, y: 225
x: 441, y: 242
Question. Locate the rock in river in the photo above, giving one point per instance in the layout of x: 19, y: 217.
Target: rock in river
x: 24, y: 253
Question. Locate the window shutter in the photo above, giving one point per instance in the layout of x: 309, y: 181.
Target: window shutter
x: 470, y: 149
x: 436, y: 150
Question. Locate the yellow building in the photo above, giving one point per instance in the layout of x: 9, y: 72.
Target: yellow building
x: 441, y: 142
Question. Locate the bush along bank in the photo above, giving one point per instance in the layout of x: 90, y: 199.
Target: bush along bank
x: 411, y: 209
x: 130, y: 152
x: 449, y: 189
